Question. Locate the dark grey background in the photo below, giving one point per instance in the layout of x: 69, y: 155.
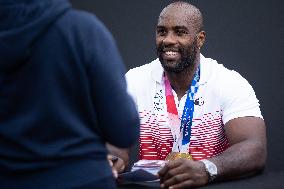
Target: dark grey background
x: 247, y: 36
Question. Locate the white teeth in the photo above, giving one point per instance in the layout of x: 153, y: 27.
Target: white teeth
x: 171, y: 53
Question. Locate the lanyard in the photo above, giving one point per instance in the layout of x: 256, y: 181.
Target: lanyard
x: 181, y: 141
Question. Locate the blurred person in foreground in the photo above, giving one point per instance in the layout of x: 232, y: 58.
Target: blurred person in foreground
x: 200, y: 116
x: 62, y: 97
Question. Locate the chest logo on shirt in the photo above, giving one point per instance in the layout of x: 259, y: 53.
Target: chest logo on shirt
x: 199, y: 101
x: 158, y: 101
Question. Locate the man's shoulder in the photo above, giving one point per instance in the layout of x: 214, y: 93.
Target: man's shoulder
x: 216, y: 71
x: 143, y: 77
x: 79, y: 17
x: 81, y: 24
x: 211, y: 66
x: 227, y: 81
x: 145, y: 71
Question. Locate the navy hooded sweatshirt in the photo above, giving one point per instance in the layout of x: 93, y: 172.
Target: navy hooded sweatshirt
x: 62, y: 96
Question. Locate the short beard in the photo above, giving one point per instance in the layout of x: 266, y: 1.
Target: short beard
x: 188, y: 57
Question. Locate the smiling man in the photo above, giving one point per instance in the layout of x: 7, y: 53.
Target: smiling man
x: 194, y: 112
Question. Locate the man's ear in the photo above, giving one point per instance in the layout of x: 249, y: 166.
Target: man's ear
x: 201, y: 39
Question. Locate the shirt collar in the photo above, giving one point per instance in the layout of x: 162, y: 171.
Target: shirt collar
x: 157, y: 71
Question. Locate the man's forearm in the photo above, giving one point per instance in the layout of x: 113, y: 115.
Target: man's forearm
x: 242, y: 159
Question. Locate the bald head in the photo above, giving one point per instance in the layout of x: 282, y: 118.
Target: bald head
x: 188, y: 12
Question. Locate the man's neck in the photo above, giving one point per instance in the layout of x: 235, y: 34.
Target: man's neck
x: 181, y: 81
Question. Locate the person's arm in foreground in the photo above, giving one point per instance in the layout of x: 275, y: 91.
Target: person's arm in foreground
x: 245, y: 156
x: 115, y: 110
x: 122, y: 154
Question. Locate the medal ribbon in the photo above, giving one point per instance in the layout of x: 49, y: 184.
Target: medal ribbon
x: 181, y: 129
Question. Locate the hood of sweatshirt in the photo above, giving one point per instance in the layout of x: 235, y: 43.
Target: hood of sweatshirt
x: 22, y: 22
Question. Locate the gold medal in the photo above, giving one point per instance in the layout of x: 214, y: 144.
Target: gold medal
x: 177, y: 155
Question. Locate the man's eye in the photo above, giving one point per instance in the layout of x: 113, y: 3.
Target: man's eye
x: 181, y: 32
x: 161, y: 32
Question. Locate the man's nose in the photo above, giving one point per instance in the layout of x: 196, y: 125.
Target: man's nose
x: 170, y: 38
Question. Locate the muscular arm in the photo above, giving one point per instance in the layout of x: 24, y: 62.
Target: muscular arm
x: 247, y: 154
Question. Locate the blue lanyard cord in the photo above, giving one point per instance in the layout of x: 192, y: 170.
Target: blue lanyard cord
x: 187, y: 115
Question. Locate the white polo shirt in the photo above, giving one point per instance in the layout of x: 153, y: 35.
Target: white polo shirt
x: 222, y: 95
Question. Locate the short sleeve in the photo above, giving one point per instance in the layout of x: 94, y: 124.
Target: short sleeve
x: 238, y: 98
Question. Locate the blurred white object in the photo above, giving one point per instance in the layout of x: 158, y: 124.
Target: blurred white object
x: 151, y: 166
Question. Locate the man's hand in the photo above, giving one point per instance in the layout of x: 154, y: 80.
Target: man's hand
x: 117, y: 164
x: 121, y: 157
x: 183, y: 173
